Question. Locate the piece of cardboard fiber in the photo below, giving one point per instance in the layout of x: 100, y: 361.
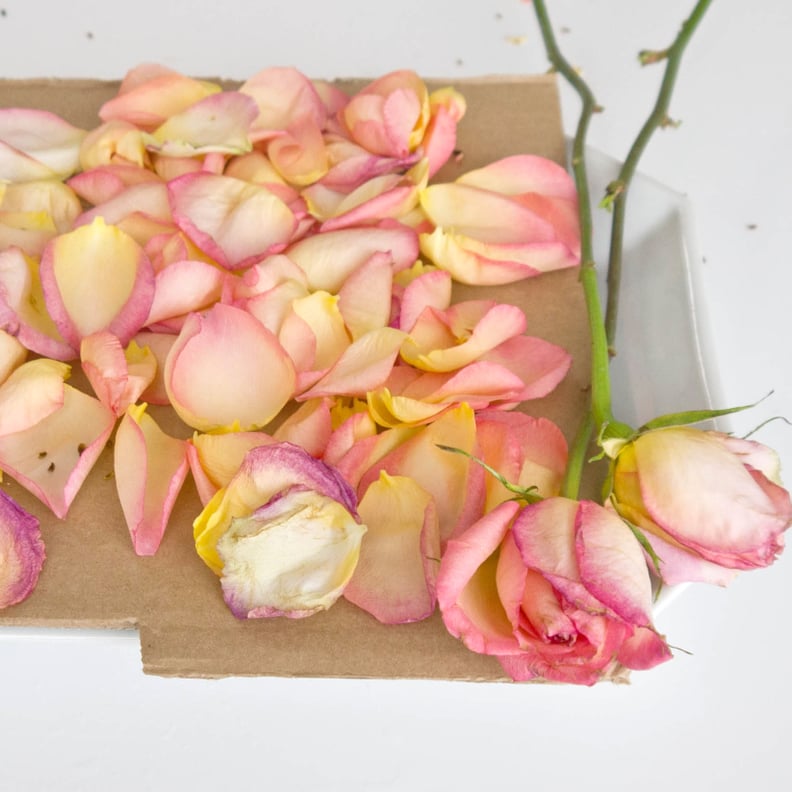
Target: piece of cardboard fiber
x: 92, y: 577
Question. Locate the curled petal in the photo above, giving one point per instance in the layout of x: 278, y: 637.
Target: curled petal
x: 150, y: 468
x: 36, y: 144
x: 431, y: 289
x: 395, y: 577
x: 118, y: 376
x: 447, y: 107
x: 226, y: 368
x: 22, y: 309
x: 522, y: 174
x: 266, y: 471
x: 362, y: 367
x: 299, y: 155
x: 365, y: 298
x: 159, y: 345
x: 114, y: 142
x: 150, y: 94
x: 467, y: 593
x: 97, y: 278
x: 218, y: 123
x: 51, y: 198
x: 233, y: 222
x: 21, y: 551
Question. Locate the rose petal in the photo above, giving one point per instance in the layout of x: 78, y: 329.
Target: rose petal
x: 227, y: 369
x: 12, y: 355
x: 96, y: 278
x: 22, y: 551
x: 365, y: 297
x: 150, y: 468
x: 395, y: 577
x: 183, y: 287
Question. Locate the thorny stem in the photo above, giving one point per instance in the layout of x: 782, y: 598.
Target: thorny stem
x: 602, y: 330
x: 657, y: 118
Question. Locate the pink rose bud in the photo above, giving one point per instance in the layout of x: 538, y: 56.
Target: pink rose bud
x: 558, y: 590
x: 708, y: 503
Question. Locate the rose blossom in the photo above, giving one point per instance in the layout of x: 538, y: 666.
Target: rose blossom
x: 709, y: 503
x: 557, y: 590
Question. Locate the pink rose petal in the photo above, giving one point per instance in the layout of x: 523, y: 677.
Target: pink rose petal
x: 21, y: 551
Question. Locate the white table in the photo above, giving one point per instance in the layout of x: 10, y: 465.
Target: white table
x: 77, y: 714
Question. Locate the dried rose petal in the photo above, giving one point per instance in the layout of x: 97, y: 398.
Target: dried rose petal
x: 21, y: 552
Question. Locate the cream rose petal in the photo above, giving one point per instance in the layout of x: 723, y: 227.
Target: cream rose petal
x: 150, y: 468
x: 184, y: 287
x: 12, y: 355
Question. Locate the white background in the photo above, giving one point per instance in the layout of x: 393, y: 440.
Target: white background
x: 77, y: 714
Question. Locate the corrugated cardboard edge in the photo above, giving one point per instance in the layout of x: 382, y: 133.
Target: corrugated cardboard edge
x: 93, y: 579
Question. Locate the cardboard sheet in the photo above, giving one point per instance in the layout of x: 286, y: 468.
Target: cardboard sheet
x: 92, y: 578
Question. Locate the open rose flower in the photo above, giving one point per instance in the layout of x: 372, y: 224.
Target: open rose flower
x: 509, y: 220
x: 284, y: 535
x: 709, y: 504
x: 558, y: 590
x: 21, y: 552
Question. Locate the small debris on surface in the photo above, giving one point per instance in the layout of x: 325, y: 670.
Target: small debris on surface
x: 89, y: 35
x: 564, y: 29
x: 751, y: 226
x: 516, y: 40
x: 459, y: 62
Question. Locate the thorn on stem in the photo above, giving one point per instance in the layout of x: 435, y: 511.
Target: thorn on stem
x: 612, y: 192
x: 670, y: 122
x: 647, y: 57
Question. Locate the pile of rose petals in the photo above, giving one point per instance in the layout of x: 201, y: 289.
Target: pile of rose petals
x: 274, y: 263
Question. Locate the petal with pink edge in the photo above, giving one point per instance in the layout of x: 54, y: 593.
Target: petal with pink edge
x: 227, y: 369
x: 32, y: 391
x: 467, y: 592
x: 118, y: 376
x: 431, y: 289
x: 150, y: 468
x: 219, y: 123
x: 151, y: 93
x: 643, y: 650
x: 183, y: 287
x: 395, y: 576
x: 365, y: 297
x: 97, y: 278
x: 52, y: 458
x: 22, y: 551
x: 37, y: 144
x: 309, y: 427
x: 329, y: 257
x: 233, y: 222
x: 23, y: 312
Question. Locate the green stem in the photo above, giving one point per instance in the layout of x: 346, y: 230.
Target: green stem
x: 600, y: 374
x: 577, y: 457
x: 619, y: 188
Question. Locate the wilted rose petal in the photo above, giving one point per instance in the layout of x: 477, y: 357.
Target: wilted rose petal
x: 96, y: 278
x: 151, y: 93
x: 227, y: 369
x: 36, y: 144
x: 150, y: 468
x: 395, y: 577
x: 21, y: 552
x: 118, y: 376
x: 265, y: 472
x: 219, y: 123
x: 234, y: 222
x: 292, y: 557
x: 51, y: 434
x: 22, y: 310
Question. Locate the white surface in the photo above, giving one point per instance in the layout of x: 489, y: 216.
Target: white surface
x: 77, y: 714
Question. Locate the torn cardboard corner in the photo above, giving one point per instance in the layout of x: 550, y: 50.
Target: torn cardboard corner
x: 92, y: 578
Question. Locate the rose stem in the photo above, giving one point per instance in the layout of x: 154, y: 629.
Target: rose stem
x: 617, y: 190
x: 600, y: 417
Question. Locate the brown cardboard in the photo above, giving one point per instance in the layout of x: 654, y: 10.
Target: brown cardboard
x: 92, y: 578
